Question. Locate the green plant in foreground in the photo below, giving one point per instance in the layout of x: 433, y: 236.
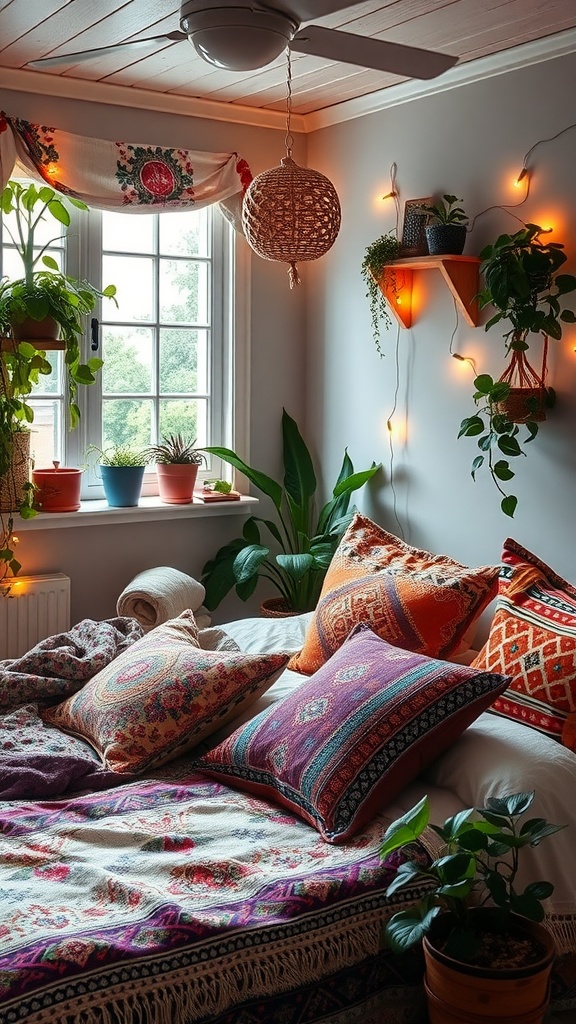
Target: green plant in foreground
x: 307, y: 540
x: 478, y: 866
x: 378, y: 255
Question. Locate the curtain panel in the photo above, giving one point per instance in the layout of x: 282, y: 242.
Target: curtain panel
x: 124, y: 177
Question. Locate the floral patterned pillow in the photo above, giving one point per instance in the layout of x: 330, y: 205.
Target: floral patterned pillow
x: 345, y: 742
x: 162, y: 696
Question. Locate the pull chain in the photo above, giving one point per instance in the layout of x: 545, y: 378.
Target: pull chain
x: 288, y: 138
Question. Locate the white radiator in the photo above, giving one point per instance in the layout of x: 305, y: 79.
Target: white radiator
x: 35, y: 608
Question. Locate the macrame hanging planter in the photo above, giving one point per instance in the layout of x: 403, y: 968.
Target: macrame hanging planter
x: 527, y: 397
x: 291, y: 213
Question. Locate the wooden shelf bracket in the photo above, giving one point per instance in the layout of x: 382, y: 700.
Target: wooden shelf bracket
x: 461, y: 274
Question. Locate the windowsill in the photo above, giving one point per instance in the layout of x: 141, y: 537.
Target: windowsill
x: 149, y: 509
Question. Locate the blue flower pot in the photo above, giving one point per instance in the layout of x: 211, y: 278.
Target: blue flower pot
x: 122, y: 485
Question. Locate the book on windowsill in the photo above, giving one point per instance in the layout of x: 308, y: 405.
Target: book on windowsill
x: 207, y: 494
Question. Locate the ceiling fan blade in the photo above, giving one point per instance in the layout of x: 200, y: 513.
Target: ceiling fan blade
x: 103, y: 51
x: 408, y: 61
x: 311, y: 10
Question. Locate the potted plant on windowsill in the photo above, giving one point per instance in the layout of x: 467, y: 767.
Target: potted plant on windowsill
x: 121, y: 471
x: 487, y: 956
x: 177, y: 461
x: 306, y: 540
x: 523, y: 285
x: 446, y: 232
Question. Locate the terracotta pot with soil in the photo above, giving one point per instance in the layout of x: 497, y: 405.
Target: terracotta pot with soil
x: 507, y: 983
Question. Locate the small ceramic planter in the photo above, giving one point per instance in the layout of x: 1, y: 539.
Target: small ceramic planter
x: 122, y: 485
x: 176, y: 482
x: 57, y: 489
x: 445, y: 239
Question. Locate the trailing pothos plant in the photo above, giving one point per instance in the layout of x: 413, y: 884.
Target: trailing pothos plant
x: 20, y: 369
x: 378, y: 255
x: 523, y: 285
x: 306, y: 539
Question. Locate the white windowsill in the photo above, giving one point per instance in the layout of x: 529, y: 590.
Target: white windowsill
x: 149, y: 509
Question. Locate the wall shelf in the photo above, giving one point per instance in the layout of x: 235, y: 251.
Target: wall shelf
x: 461, y: 274
x: 43, y: 344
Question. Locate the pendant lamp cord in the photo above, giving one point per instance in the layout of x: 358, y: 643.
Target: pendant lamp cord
x: 288, y: 138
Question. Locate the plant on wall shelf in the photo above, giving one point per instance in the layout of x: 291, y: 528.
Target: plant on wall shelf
x: 523, y: 285
x: 378, y: 255
x: 445, y: 211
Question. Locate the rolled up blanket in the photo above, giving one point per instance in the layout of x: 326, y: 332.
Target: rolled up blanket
x: 159, y: 594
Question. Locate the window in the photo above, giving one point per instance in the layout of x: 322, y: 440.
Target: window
x: 167, y: 346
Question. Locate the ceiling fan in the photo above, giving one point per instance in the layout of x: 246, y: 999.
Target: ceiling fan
x: 243, y: 35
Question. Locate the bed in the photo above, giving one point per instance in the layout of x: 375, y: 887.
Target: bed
x: 178, y: 894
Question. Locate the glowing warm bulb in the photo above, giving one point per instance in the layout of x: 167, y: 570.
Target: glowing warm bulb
x: 520, y: 177
x: 52, y: 170
x: 390, y: 195
x: 15, y: 540
x: 398, y: 300
x: 389, y: 426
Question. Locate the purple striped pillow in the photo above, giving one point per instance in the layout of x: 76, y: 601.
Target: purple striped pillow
x: 340, y: 747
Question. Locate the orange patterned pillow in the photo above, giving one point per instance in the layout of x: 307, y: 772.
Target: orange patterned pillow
x: 424, y: 603
x: 533, y: 640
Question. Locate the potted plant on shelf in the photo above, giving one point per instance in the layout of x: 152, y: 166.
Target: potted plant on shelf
x: 523, y: 285
x: 121, y: 470
x: 306, y: 540
x: 379, y: 254
x: 177, y: 461
x: 446, y: 232
x: 487, y: 956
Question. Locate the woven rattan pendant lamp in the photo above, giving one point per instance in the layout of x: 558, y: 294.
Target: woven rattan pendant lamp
x: 291, y: 213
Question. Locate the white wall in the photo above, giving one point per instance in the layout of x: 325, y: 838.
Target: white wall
x: 101, y: 561
x: 471, y: 142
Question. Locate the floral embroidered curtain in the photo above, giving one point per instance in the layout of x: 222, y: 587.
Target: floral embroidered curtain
x: 123, y: 176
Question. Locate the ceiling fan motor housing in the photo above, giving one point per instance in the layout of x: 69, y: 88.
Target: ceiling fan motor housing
x: 236, y: 38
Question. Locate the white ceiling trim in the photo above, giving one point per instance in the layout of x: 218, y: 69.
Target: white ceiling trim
x: 557, y: 45
x: 36, y: 82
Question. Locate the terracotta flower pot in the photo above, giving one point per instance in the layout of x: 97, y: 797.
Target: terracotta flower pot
x: 460, y: 993
x: 58, y: 489
x: 176, y: 482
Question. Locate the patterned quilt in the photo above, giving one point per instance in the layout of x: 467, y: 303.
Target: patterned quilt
x: 173, y: 898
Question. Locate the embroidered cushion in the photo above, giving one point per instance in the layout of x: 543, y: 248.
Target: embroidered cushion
x: 345, y: 742
x: 533, y: 639
x: 423, y: 602
x: 163, y: 696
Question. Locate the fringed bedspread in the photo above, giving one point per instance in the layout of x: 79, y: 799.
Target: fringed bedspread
x: 172, y: 898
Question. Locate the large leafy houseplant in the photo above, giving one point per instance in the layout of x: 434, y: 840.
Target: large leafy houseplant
x: 306, y: 539
x: 479, y: 932
x: 523, y: 285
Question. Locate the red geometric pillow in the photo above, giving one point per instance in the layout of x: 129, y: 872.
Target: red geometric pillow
x: 413, y: 599
x: 533, y: 640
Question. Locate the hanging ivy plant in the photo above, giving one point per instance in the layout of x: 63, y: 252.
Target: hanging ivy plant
x: 524, y: 288
x: 378, y: 255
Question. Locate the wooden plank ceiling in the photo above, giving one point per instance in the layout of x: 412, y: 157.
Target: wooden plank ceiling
x: 466, y: 28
